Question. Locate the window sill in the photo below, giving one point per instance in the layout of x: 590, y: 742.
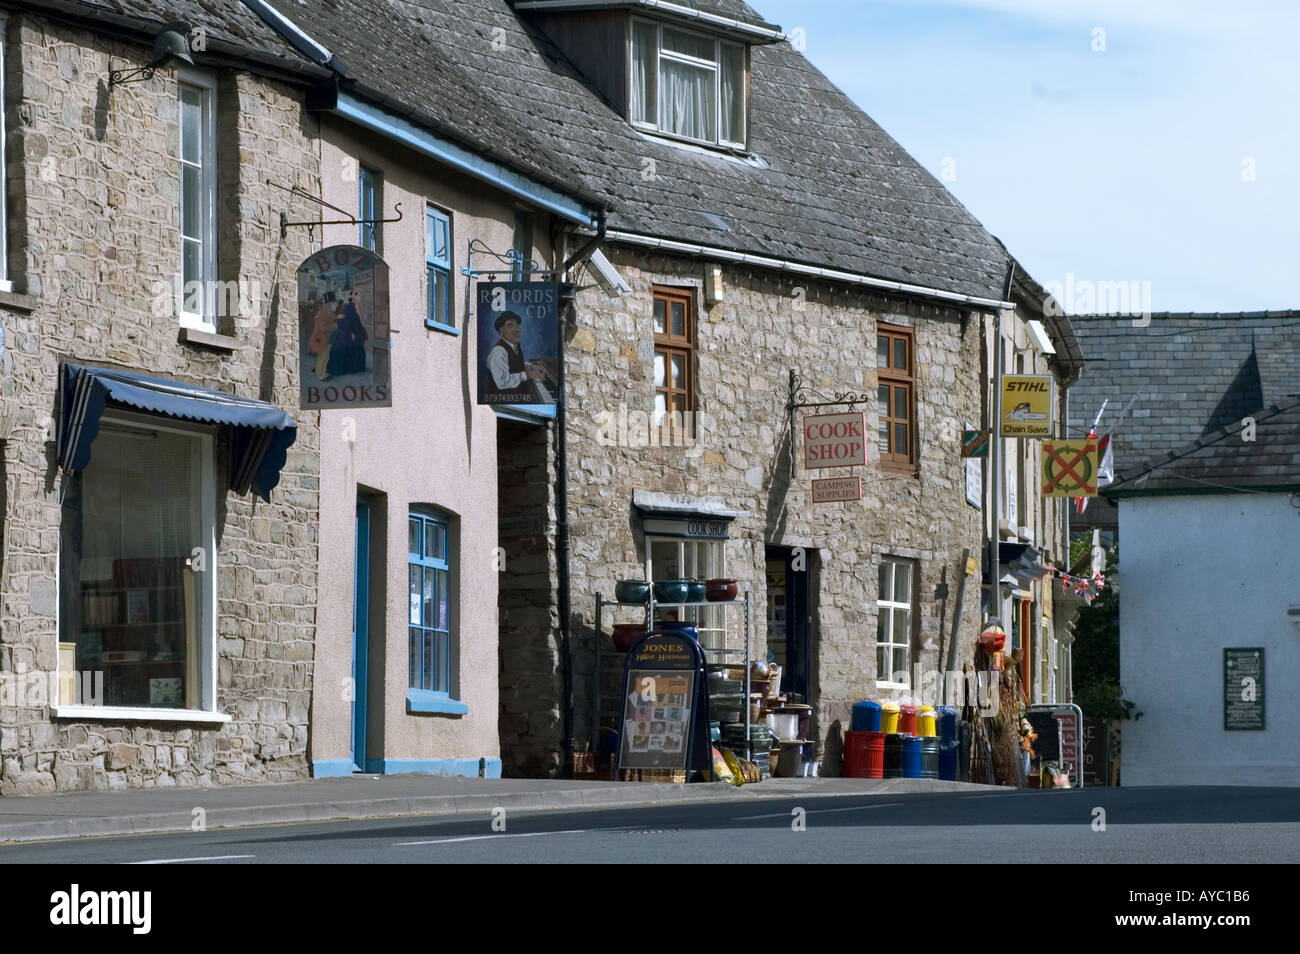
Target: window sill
x: 16, y: 300
x: 135, y: 714
x: 437, y: 326
x: 423, y: 700
x: 208, y: 339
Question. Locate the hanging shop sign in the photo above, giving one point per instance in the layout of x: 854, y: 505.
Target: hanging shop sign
x: 1069, y: 468
x: 1026, y: 405
x: 343, y: 333
x: 665, y: 706
x: 1243, y: 689
x: 518, y: 342
x: 835, y: 440
x: 835, y: 489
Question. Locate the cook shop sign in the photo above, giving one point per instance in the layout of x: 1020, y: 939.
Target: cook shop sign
x: 835, y: 440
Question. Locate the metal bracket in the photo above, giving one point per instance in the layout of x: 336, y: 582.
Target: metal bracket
x: 799, y: 395
x: 351, y: 219
x: 513, y: 258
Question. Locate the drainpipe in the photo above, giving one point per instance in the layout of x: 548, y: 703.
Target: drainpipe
x: 995, y: 457
x: 563, y: 598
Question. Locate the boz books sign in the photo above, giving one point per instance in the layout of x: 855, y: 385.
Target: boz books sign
x: 343, y: 332
x: 518, y: 342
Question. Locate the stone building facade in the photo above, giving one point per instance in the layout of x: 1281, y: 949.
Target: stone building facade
x: 765, y: 326
x: 94, y: 182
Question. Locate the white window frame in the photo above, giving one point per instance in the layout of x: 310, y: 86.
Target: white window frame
x: 712, y: 620
x: 715, y: 65
x: 6, y: 285
x: 206, y: 84
x: 207, y: 584
x: 893, y: 606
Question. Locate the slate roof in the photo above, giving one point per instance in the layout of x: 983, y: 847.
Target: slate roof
x: 828, y: 187
x: 1226, y: 459
x: 231, y: 27
x: 1192, y: 374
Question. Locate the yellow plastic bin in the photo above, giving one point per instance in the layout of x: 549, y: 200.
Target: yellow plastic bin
x: 925, y: 721
x: 889, y: 717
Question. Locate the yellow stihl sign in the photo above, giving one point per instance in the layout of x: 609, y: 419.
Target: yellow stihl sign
x: 1026, y: 405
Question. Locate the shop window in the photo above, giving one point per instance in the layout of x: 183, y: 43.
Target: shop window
x: 198, y: 288
x: 429, y: 568
x: 895, y: 608
x: 896, y: 391
x: 674, y: 363
x: 672, y: 558
x: 438, y: 262
x: 687, y: 84
x: 369, y: 210
x: 138, y: 568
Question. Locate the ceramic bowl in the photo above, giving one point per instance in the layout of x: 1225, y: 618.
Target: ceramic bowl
x: 671, y: 591
x: 625, y: 635
x: 632, y: 591
x: 696, y: 591
x: 720, y: 591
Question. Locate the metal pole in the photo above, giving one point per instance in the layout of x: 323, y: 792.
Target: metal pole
x: 995, y: 457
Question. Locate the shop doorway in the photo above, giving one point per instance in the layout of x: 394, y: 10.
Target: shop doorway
x: 361, y: 634
x: 789, y: 621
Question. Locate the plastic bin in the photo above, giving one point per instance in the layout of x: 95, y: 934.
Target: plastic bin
x: 925, y: 721
x: 948, y: 761
x: 947, y: 716
x: 866, y: 716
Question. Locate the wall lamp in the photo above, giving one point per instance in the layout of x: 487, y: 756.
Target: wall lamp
x: 172, y: 41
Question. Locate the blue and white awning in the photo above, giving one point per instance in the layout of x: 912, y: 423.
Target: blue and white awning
x: 260, y: 433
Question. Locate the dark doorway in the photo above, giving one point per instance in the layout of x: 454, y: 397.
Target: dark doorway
x: 789, y: 617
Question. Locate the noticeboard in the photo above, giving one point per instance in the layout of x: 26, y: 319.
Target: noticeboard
x: 1243, y: 689
x: 1096, y: 752
x: 663, y: 692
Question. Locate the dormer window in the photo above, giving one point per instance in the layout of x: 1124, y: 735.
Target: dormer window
x: 687, y: 84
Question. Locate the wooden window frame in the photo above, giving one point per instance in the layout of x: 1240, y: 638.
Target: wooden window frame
x: 893, y: 378
x: 669, y: 344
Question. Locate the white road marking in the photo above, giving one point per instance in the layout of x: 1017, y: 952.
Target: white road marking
x: 173, y: 861
x: 817, y: 811
x: 519, y: 834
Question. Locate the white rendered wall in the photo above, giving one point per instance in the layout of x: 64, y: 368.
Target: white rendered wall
x: 1199, y: 573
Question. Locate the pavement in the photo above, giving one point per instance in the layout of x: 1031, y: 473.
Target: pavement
x: 26, y: 818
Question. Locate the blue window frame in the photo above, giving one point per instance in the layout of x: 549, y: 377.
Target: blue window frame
x: 366, y: 209
x: 522, y: 245
x: 429, y: 617
x: 437, y: 257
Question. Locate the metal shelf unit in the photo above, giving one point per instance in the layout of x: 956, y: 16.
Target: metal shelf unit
x: 649, y: 608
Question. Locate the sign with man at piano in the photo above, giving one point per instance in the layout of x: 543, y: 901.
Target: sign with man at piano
x: 518, y: 342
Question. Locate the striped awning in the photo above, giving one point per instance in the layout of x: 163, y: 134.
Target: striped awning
x: 260, y: 433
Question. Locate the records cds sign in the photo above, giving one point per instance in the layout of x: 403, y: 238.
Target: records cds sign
x: 518, y: 342
x: 343, y: 331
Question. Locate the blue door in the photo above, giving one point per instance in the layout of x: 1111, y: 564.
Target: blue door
x: 360, y: 634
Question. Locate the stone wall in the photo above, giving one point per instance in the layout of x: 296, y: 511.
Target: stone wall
x: 93, y: 183
x: 746, y: 346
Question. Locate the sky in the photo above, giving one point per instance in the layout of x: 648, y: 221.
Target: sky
x: 1101, y: 140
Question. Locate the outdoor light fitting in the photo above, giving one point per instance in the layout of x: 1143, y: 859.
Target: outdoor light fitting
x: 172, y: 41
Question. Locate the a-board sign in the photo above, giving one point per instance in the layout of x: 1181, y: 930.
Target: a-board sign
x: 1069, y: 718
x: 1243, y: 689
x: 1096, y: 752
x: 663, y: 695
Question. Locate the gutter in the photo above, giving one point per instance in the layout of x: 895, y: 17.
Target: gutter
x: 295, y: 37
x: 799, y: 268
x: 769, y: 33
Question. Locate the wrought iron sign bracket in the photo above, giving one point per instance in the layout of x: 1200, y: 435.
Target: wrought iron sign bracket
x: 799, y: 397
x: 351, y: 219
x: 514, y: 258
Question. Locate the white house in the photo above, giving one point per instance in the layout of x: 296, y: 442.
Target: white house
x: 1210, y: 617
